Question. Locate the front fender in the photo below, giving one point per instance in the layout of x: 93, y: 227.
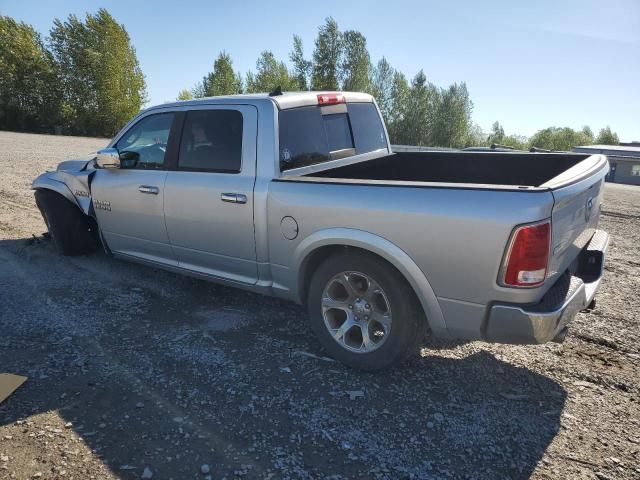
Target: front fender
x: 73, y: 186
x: 48, y: 181
x: 385, y: 249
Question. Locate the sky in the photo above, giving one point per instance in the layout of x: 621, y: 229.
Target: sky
x: 529, y: 64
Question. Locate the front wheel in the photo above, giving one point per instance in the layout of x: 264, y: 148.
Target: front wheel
x: 363, y: 311
x: 69, y: 228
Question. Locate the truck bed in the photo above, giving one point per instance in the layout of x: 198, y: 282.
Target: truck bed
x: 489, y: 168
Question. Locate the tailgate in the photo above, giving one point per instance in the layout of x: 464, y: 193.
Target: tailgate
x: 578, y: 194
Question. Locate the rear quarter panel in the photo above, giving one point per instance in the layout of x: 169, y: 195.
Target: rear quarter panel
x: 456, y: 236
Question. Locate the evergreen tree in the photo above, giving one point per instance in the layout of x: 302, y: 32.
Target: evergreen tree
x: 221, y: 81
x: 420, y: 111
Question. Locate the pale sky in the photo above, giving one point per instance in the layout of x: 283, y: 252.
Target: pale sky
x: 529, y: 65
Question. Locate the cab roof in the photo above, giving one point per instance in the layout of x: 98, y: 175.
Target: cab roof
x: 282, y: 101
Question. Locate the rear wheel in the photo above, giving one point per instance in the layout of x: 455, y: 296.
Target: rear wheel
x: 363, y: 311
x: 69, y: 228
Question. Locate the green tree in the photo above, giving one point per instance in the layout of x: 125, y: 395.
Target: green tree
x: 397, y: 122
x: 355, y: 67
x: 452, y: 119
x: 561, y: 139
x: 221, y: 81
x: 185, y: 95
x: 497, y: 134
x: 326, y: 57
x: 419, y: 115
x: 269, y: 75
x: 100, y: 77
x: 475, y: 137
x: 29, y: 99
x: 382, y: 87
x: 607, y: 137
x: 301, y: 66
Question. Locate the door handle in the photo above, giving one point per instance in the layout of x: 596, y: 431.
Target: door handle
x: 233, y: 197
x: 148, y: 189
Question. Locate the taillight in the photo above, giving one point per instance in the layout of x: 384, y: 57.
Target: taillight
x: 528, y: 256
x: 330, y: 98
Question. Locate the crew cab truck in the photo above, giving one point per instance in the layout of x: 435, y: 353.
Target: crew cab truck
x: 300, y: 196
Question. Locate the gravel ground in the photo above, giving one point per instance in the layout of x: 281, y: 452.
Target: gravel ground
x: 139, y: 373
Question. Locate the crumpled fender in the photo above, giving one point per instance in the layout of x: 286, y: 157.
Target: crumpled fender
x: 73, y: 185
x: 47, y: 181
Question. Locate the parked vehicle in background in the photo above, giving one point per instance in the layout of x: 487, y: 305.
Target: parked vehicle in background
x: 299, y: 196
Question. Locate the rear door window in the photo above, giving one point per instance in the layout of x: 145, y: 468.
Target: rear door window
x: 307, y: 137
x: 211, y: 141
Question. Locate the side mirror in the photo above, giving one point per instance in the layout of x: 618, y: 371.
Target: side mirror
x: 108, y: 158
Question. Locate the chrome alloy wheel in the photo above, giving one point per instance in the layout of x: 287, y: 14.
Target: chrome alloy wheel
x: 356, y: 312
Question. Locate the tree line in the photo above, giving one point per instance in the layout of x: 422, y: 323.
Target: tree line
x: 85, y: 79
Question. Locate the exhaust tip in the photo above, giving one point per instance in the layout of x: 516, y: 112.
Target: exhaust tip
x: 562, y: 334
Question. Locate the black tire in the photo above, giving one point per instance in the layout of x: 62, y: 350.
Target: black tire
x: 69, y: 228
x: 408, y: 320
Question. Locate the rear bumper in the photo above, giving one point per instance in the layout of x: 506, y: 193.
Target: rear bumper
x: 548, y: 319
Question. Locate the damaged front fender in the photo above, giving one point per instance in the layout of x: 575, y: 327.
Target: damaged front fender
x: 72, y: 180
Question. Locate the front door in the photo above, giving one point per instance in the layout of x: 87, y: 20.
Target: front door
x: 129, y: 201
x: 208, y: 202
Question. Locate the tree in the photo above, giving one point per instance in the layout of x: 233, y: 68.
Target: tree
x: 269, y: 75
x: 29, y: 99
x: 326, y: 56
x: 221, y: 81
x: 420, y: 111
x: 355, y: 67
x: 382, y: 87
x: 301, y: 66
x: 497, y: 134
x: 475, y: 137
x: 452, y: 118
x: 101, y: 81
x: 607, y: 137
x: 561, y: 139
x: 185, y: 95
x: 397, y: 114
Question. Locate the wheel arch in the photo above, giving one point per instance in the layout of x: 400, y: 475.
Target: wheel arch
x: 45, y: 182
x: 314, y: 249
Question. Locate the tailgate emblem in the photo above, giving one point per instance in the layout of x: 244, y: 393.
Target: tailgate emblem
x: 588, y: 209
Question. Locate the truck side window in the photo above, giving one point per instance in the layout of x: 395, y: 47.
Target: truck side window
x: 211, y: 141
x: 368, y: 130
x: 145, y: 144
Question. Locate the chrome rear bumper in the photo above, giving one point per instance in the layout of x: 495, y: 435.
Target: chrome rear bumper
x: 548, y: 319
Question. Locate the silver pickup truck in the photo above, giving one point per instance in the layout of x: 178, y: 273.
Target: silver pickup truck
x: 299, y: 195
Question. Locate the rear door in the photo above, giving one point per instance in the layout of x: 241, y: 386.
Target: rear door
x: 129, y: 201
x: 208, y: 200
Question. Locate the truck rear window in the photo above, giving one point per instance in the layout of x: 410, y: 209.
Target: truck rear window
x: 309, y: 137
